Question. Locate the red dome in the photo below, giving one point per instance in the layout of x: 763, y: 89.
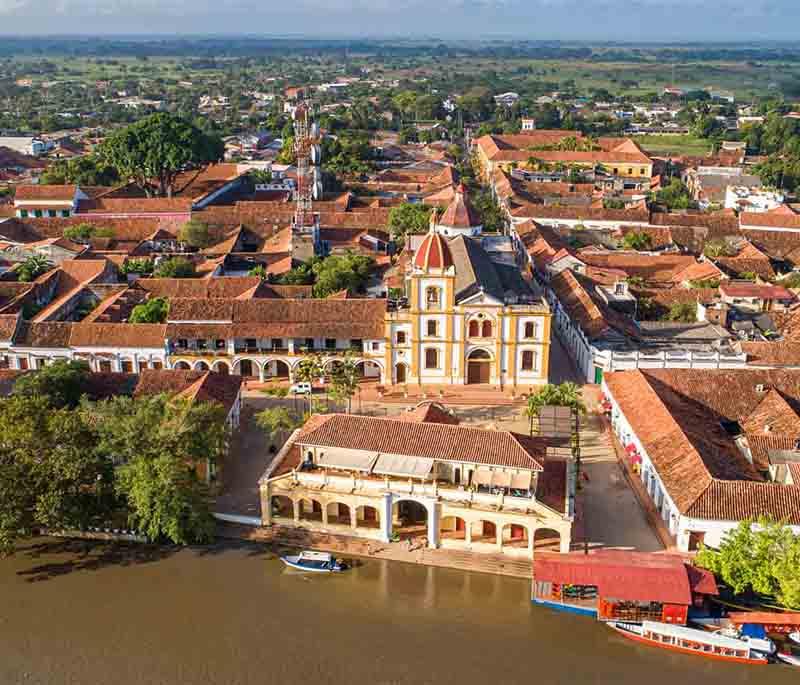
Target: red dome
x: 433, y: 253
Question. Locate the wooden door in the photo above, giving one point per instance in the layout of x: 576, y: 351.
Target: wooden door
x: 478, y: 372
x: 400, y: 372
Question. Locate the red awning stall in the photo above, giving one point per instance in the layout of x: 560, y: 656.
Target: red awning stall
x: 629, y: 585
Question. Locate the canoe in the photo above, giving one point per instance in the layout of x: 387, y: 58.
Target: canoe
x: 689, y: 641
x: 314, y: 562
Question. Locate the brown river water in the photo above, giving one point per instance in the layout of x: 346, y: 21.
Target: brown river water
x: 86, y: 614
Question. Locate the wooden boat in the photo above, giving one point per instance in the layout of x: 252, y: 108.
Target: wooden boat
x: 690, y: 641
x: 316, y: 562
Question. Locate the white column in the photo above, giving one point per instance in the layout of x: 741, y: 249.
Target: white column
x: 433, y: 525
x: 386, y: 517
x: 565, y: 541
x: 260, y: 372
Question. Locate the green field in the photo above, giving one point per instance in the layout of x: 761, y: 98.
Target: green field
x: 674, y: 145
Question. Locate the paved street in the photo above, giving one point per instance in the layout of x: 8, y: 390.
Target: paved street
x: 612, y: 516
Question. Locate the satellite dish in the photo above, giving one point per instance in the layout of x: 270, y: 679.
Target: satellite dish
x: 316, y: 154
x: 315, y: 130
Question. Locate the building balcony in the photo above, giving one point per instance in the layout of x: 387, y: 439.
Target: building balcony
x: 194, y: 352
x: 243, y: 349
x: 376, y: 486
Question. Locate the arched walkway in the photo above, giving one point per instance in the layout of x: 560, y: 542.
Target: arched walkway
x: 182, y: 366
x: 201, y: 366
x: 338, y: 513
x: 310, y: 510
x: 276, y: 368
x: 515, y: 535
x: 454, y: 528
x: 368, y: 369
x: 221, y: 367
x: 484, y: 531
x: 479, y: 367
x: 247, y: 368
x: 367, y: 517
x: 282, y: 507
x: 547, y: 540
x: 409, y: 518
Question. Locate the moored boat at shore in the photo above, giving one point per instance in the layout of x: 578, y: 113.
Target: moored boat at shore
x: 315, y: 562
x: 690, y: 641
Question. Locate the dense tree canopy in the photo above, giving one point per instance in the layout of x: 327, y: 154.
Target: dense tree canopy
x: 159, y: 443
x: 61, y: 383
x: 194, y: 233
x: 761, y: 557
x: 49, y: 473
x: 153, y: 310
x: 87, y: 170
x: 175, y: 267
x: 155, y: 150
x: 409, y: 217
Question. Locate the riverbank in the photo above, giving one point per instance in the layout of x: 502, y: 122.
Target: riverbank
x: 281, y: 538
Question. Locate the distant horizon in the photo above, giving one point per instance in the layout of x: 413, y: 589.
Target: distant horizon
x: 681, y: 21
x: 377, y: 38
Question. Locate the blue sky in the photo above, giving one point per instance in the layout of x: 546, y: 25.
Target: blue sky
x: 633, y: 20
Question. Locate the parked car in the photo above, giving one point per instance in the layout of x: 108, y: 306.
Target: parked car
x: 301, y: 389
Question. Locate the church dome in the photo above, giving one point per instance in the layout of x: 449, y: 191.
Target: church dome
x: 433, y: 253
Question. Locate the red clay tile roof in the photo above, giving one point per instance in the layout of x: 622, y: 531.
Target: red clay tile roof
x: 8, y: 326
x: 677, y: 415
x: 579, y: 304
x: 765, y: 292
x: 35, y: 193
x: 429, y: 412
x: 772, y: 414
x: 201, y: 386
x: 50, y: 334
x: 136, y: 205
x: 770, y: 220
x: 150, y: 335
x: 761, y: 444
x: 433, y: 253
x: 772, y: 353
x: 431, y: 440
x: 460, y: 213
x: 333, y: 318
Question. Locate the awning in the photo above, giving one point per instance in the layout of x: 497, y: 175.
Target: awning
x: 403, y: 466
x: 501, y: 479
x: 483, y: 476
x: 353, y: 460
x: 522, y: 480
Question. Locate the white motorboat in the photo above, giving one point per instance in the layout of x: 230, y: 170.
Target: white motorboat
x: 315, y: 562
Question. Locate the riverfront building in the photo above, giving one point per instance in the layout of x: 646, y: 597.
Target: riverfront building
x: 422, y: 476
x: 712, y: 447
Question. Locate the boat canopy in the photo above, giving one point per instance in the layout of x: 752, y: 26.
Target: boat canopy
x: 309, y: 555
x: 693, y: 635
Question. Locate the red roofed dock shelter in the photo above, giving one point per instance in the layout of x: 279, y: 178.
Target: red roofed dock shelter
x: 622, y: 586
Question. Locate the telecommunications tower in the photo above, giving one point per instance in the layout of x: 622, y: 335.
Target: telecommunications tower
x: 305, y: 224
